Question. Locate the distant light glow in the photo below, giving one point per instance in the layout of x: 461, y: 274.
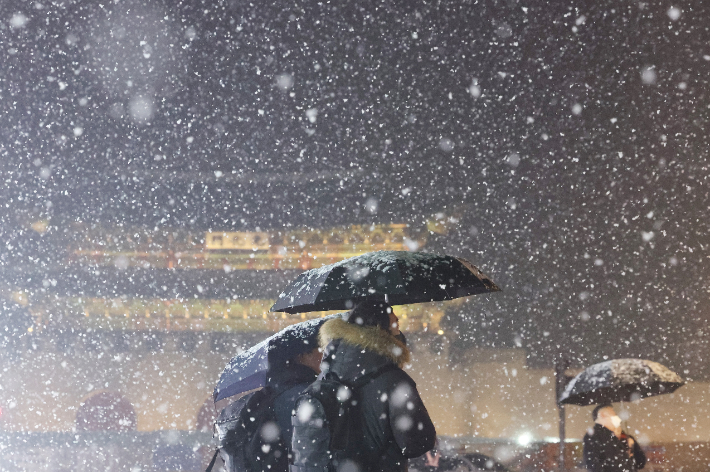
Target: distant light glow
x: 525, y: 439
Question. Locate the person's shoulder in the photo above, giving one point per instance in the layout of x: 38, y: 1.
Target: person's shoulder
x: 396, y: 377
x: 590, y: 435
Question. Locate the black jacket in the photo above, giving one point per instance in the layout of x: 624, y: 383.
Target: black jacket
x: 287, y: 382
x: 604, y: 452
x: 394, y: 422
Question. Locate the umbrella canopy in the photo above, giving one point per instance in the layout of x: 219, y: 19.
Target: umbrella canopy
x: 397, y: 277
x: 620, y: 380
x: 247, y: 370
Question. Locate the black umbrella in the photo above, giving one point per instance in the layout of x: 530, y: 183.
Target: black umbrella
x: 247, y: 370
x: 397, y: 277
x: 620, y: 380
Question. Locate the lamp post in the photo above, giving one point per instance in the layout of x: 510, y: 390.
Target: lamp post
x: 561, y: 380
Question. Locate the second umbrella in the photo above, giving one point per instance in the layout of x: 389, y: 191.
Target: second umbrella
x: 248, y: 369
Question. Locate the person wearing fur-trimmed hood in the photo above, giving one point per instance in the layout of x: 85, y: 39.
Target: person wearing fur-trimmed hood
x: 393, y: 421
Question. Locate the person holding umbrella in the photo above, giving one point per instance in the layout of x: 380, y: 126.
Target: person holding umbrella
x: 281, y: 366
x: 364, y: 353
x: 392, y: 424
x: 607, y: 448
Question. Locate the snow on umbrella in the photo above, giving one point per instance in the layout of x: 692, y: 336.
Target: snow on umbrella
x: 247, y: 370
x: 397, y: 277
x: 620, y: 380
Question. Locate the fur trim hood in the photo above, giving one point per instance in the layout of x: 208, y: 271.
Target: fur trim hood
x: 369, y: 338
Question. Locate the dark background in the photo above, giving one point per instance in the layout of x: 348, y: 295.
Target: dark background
x: 566, y: 139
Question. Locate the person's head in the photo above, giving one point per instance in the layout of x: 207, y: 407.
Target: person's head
x: 287, y: 350
x: 605, y: 415
x: 603, y: 409
x: 312, y: 359
x: 374, y: 313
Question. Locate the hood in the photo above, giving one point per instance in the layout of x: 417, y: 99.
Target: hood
x: 356, y: 350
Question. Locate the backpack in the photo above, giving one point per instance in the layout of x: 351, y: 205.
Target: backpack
x: 247, y: 434
x: 324, y: 437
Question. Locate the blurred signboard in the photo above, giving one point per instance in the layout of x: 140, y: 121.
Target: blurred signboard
x: 239, y: 240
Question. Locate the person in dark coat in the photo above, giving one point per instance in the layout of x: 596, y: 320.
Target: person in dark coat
x: 269, y: 450
x: 607, y: 448
x: 288, y: 380
x: 285, y: 381
x: 392, y: 420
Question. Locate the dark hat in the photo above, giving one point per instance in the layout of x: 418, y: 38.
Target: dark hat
x: 371, y: 313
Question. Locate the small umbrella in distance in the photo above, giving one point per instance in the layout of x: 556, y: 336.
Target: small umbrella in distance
x: 247, y: 370
x: 617, y: 380
x: 620, y: 380
x: 397, y: 277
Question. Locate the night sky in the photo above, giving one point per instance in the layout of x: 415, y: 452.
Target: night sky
x: 565, y: 142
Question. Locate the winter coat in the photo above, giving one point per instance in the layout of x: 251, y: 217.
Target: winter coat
x: 392, y: 418
x: 287, y: 382
x: 604, y: 452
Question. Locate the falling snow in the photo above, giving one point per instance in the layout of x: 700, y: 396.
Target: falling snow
x: 168, y: 168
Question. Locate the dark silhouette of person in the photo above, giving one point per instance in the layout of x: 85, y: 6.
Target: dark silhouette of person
x: 607, y: 448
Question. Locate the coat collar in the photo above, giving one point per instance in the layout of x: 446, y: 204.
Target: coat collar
x: 369, y: 338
